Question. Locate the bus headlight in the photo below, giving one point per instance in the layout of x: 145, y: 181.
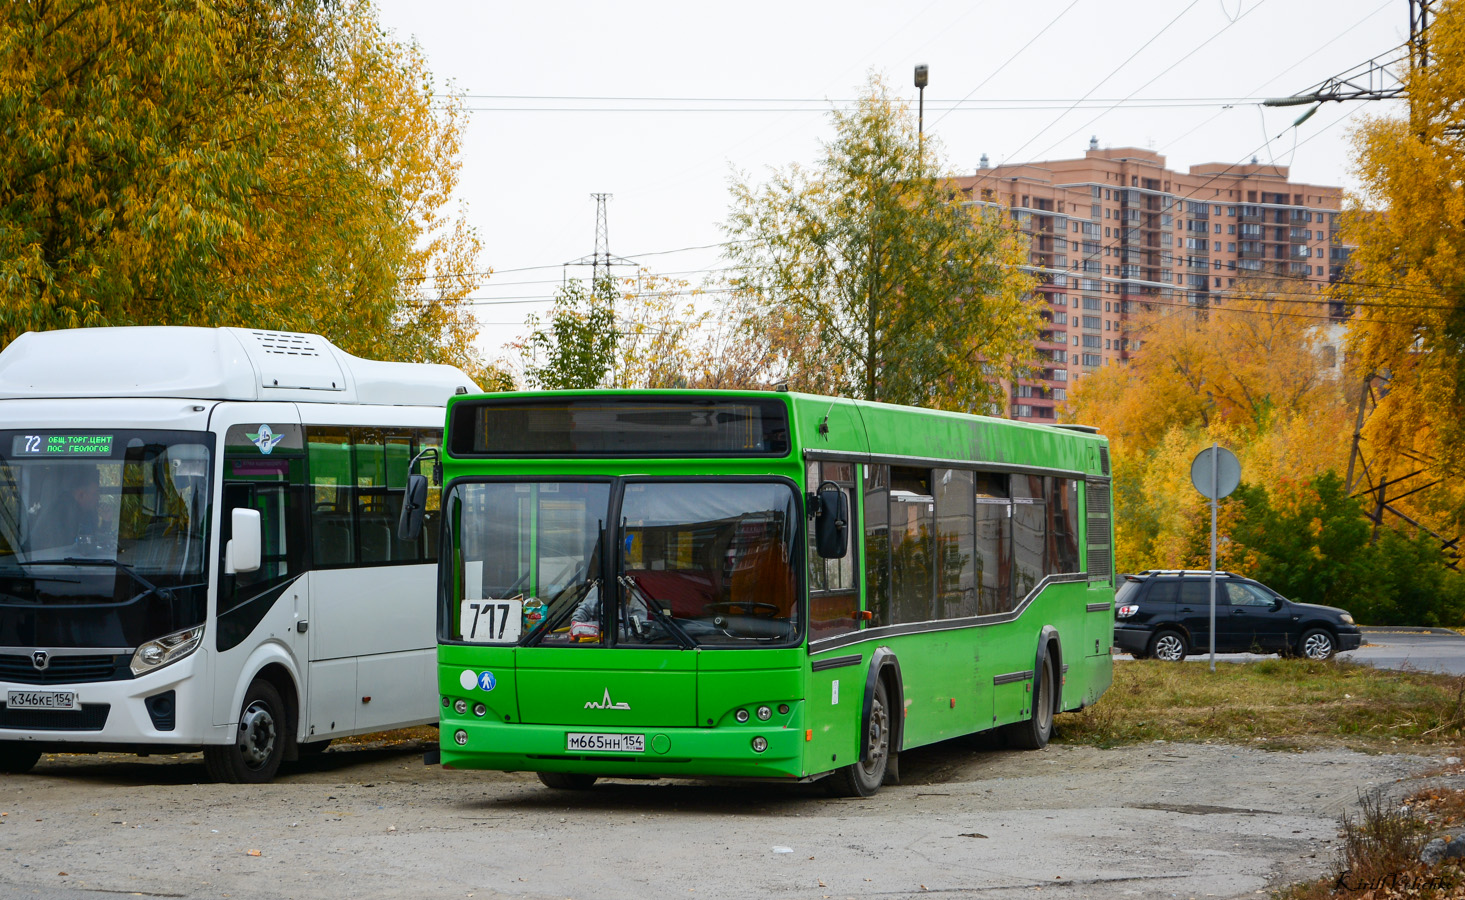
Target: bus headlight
x: 167, y: 649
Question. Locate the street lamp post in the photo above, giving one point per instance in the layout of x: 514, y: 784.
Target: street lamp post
x: 921, y: 78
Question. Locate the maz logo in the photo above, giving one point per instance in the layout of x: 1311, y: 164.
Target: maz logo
x: 606, y: 704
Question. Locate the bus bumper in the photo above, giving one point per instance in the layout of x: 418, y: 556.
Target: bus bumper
x: 162, y: 709
x: 668, y: 753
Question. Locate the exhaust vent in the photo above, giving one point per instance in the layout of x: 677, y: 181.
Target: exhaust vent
x: 285, y: 343
x: 1104, y: 460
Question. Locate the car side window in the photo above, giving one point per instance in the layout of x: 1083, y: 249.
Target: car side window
x: 1197, y: 592
x: 1163, y: 590
x: 1242, y: 594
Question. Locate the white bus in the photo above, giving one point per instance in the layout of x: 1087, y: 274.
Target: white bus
x: 198, y: 546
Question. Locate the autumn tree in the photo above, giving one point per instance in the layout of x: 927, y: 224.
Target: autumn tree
x: 872, y: 279
x: 267, y: 163
x: 1408, y: 275
x: 575, y: 347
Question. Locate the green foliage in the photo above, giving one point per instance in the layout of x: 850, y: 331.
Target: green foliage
x: 266, y: 163
x: 873, y: 280
x: 577, y: 349
x: 1315, y: 544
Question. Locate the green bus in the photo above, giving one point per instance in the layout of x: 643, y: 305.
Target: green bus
x: 773, y: 585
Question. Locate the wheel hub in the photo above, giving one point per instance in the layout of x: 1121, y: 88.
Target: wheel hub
x: 256, y: 735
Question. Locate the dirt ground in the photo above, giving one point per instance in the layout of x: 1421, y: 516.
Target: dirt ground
x: 371, y: 821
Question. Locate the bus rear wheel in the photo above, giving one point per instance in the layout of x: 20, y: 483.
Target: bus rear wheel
x: 863, y: 777
x: 1035, y: 732
x: 259, y: 742
x: 567, y: 781
x: 17, y: 758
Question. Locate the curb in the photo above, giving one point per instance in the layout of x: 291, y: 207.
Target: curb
x: 1407, y: 629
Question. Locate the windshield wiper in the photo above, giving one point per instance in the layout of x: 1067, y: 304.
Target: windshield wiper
x: 654, y: 607
x: 148, y: 586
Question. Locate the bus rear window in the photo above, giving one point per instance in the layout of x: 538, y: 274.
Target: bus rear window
x: 620, y: 427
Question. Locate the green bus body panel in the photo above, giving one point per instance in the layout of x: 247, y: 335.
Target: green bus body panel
x: 955, y: 680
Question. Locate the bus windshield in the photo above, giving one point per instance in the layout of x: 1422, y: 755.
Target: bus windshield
x: 692, y: 564
x: 125, y: 512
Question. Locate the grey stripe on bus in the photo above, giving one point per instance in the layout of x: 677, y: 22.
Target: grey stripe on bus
x: 1097, y: 607
x: 1012, y: 677
x: 836, y: 662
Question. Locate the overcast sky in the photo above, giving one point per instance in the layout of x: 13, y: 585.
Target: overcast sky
x: 543, y: 137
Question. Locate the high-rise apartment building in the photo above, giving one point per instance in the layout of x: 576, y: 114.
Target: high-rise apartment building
x: 1116, y: 231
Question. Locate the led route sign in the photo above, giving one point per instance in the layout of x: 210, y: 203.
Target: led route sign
x: 61, y: 445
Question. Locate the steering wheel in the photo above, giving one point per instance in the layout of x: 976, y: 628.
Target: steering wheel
x: 748, y: 608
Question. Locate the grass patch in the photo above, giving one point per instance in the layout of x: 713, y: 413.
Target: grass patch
x: 1277, y: 703
x: 1379, y: 858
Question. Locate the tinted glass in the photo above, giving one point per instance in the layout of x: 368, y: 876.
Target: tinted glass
x: 834, y: 595
x: 956, y: 540
x: 877, y: 544
x: 621, y: 426
x: 1062, y: 526
x: 1163, y: 590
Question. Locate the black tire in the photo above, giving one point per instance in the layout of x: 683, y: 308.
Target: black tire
x: 1317, y: 644
x: 259, y: 743
x: 1035, y: 732
x: 863, y: 778
x: 1169, y: 646
x: 17, y: 758
x: 567, y: 781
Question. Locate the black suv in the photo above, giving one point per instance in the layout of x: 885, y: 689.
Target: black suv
x: 1165, y: 613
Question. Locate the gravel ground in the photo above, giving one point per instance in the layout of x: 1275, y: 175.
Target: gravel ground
x: 1159, y: 820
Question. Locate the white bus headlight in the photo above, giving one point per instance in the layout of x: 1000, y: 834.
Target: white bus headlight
x: 165, y: 650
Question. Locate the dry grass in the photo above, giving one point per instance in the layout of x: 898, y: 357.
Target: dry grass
x: 1277, y: 704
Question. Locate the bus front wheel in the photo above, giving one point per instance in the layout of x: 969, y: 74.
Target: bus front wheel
x: 253, y: 757
x: 863, y: 777
x: 567, y: 781
x: 17, y: 758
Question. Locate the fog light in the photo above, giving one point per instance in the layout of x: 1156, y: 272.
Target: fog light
x: 759, y: 745
x: 783, y: 709
x: 461, y: 737
x: 460, y: 706
x: 741, y: 715
x: 479, y: 709
x: 764, y: 712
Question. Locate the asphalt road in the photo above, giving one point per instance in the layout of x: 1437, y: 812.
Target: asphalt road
x: 1437, y: 651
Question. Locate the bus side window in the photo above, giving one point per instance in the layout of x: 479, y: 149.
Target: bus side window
x: 993, y: 544
x: 274, y: 489
x: 1062, y: 526
x: 1029, y: 515
x: 834, y: 596
x: 956, y: 591
x: 877, y: 544
x: 333, y: 532
x: 430, y: 437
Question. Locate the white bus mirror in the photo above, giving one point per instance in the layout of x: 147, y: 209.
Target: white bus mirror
x: 245, y: 547
x: 409, y: 523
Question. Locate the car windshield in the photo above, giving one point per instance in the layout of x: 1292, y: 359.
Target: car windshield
x: 705, y: 563
x: 125, y: 506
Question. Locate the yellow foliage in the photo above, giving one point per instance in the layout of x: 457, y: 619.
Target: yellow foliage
x: 230, y: 162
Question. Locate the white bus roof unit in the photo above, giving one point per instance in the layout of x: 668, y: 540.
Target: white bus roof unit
x: 214, y: 364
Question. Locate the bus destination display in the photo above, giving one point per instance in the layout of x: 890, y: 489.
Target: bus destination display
x: 61, y: 445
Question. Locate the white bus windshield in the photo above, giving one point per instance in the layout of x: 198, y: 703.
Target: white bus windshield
x: 121, y: 499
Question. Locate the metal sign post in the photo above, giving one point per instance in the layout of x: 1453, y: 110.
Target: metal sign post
x: 1215, y: 473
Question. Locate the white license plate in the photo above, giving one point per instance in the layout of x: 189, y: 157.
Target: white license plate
x: 606, y: 743
x: 41, y: 700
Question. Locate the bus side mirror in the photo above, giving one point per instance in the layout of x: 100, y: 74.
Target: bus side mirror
x: 243, y: 552
x: 831, y: 522
x: 409, y: 523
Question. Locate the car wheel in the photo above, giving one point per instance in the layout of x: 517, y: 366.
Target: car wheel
x: 259, y: 744
x: 567, y: 781
x: 863, y: 777
x: 17, y: 758
x: 1035, y: 732
x: 1317, y: 643
x: 1168, y: 646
